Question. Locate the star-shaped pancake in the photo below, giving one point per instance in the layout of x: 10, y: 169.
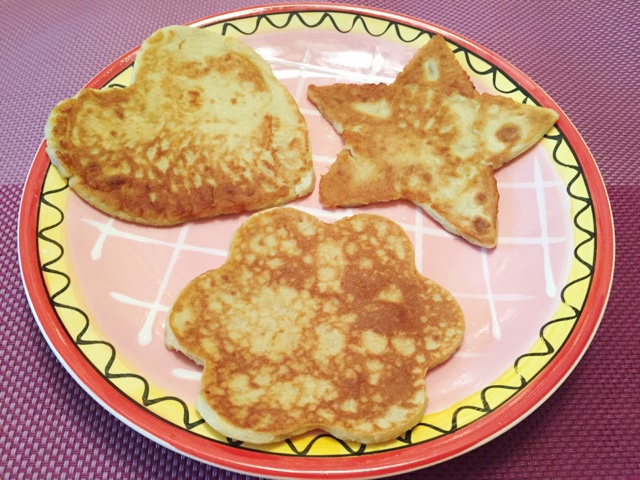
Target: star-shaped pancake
x: 429, y: 137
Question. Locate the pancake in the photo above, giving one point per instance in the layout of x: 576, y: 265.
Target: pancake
x: 313, y: 325
x: 429, y: 137
x: 205, y: 129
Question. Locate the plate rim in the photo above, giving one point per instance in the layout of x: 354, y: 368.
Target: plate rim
x: 386, y: 463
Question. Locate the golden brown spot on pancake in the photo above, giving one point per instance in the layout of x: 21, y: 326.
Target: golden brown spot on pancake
x: 233, y: 63
x: 115, y: 181
x: 192, y: 99
x: 480, y: 225
x: 481, y: 198
x: 508, y: 133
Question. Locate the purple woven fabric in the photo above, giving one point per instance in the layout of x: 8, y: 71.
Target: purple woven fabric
x: 583, y: 54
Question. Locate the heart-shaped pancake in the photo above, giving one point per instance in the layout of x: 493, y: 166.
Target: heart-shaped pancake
x: 204, y: 129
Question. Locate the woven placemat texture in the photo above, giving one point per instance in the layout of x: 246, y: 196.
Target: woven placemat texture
x: 583, y: 54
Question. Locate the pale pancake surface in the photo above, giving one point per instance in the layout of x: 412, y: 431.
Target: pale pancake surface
x: 429, y: 137
x: 204, y: 129
x: 315, y: 325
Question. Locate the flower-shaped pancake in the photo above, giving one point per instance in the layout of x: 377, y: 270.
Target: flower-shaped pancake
x: 315, y: 325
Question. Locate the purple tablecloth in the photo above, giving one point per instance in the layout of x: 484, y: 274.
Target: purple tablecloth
x: 583, y: 54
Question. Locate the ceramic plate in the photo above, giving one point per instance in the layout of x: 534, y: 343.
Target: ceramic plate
x: 100, y: 289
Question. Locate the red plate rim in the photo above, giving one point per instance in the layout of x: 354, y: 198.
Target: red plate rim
x: 368, y: 465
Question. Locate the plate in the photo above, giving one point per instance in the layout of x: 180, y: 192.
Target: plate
x: 100, y: 289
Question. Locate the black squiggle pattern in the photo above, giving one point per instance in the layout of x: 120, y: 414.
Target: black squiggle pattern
x: 325, y: 17
x: 582, y: 213
x: 548, y: 346
x: 305, y: 451
x: 49, y: 268
x: 491, y: 70
x: 580, y: 221
x: 484, y: 409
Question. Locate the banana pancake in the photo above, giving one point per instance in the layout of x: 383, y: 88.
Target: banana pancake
x: 205, y: 129
x: 429, y: 137
x: 313, y: 325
